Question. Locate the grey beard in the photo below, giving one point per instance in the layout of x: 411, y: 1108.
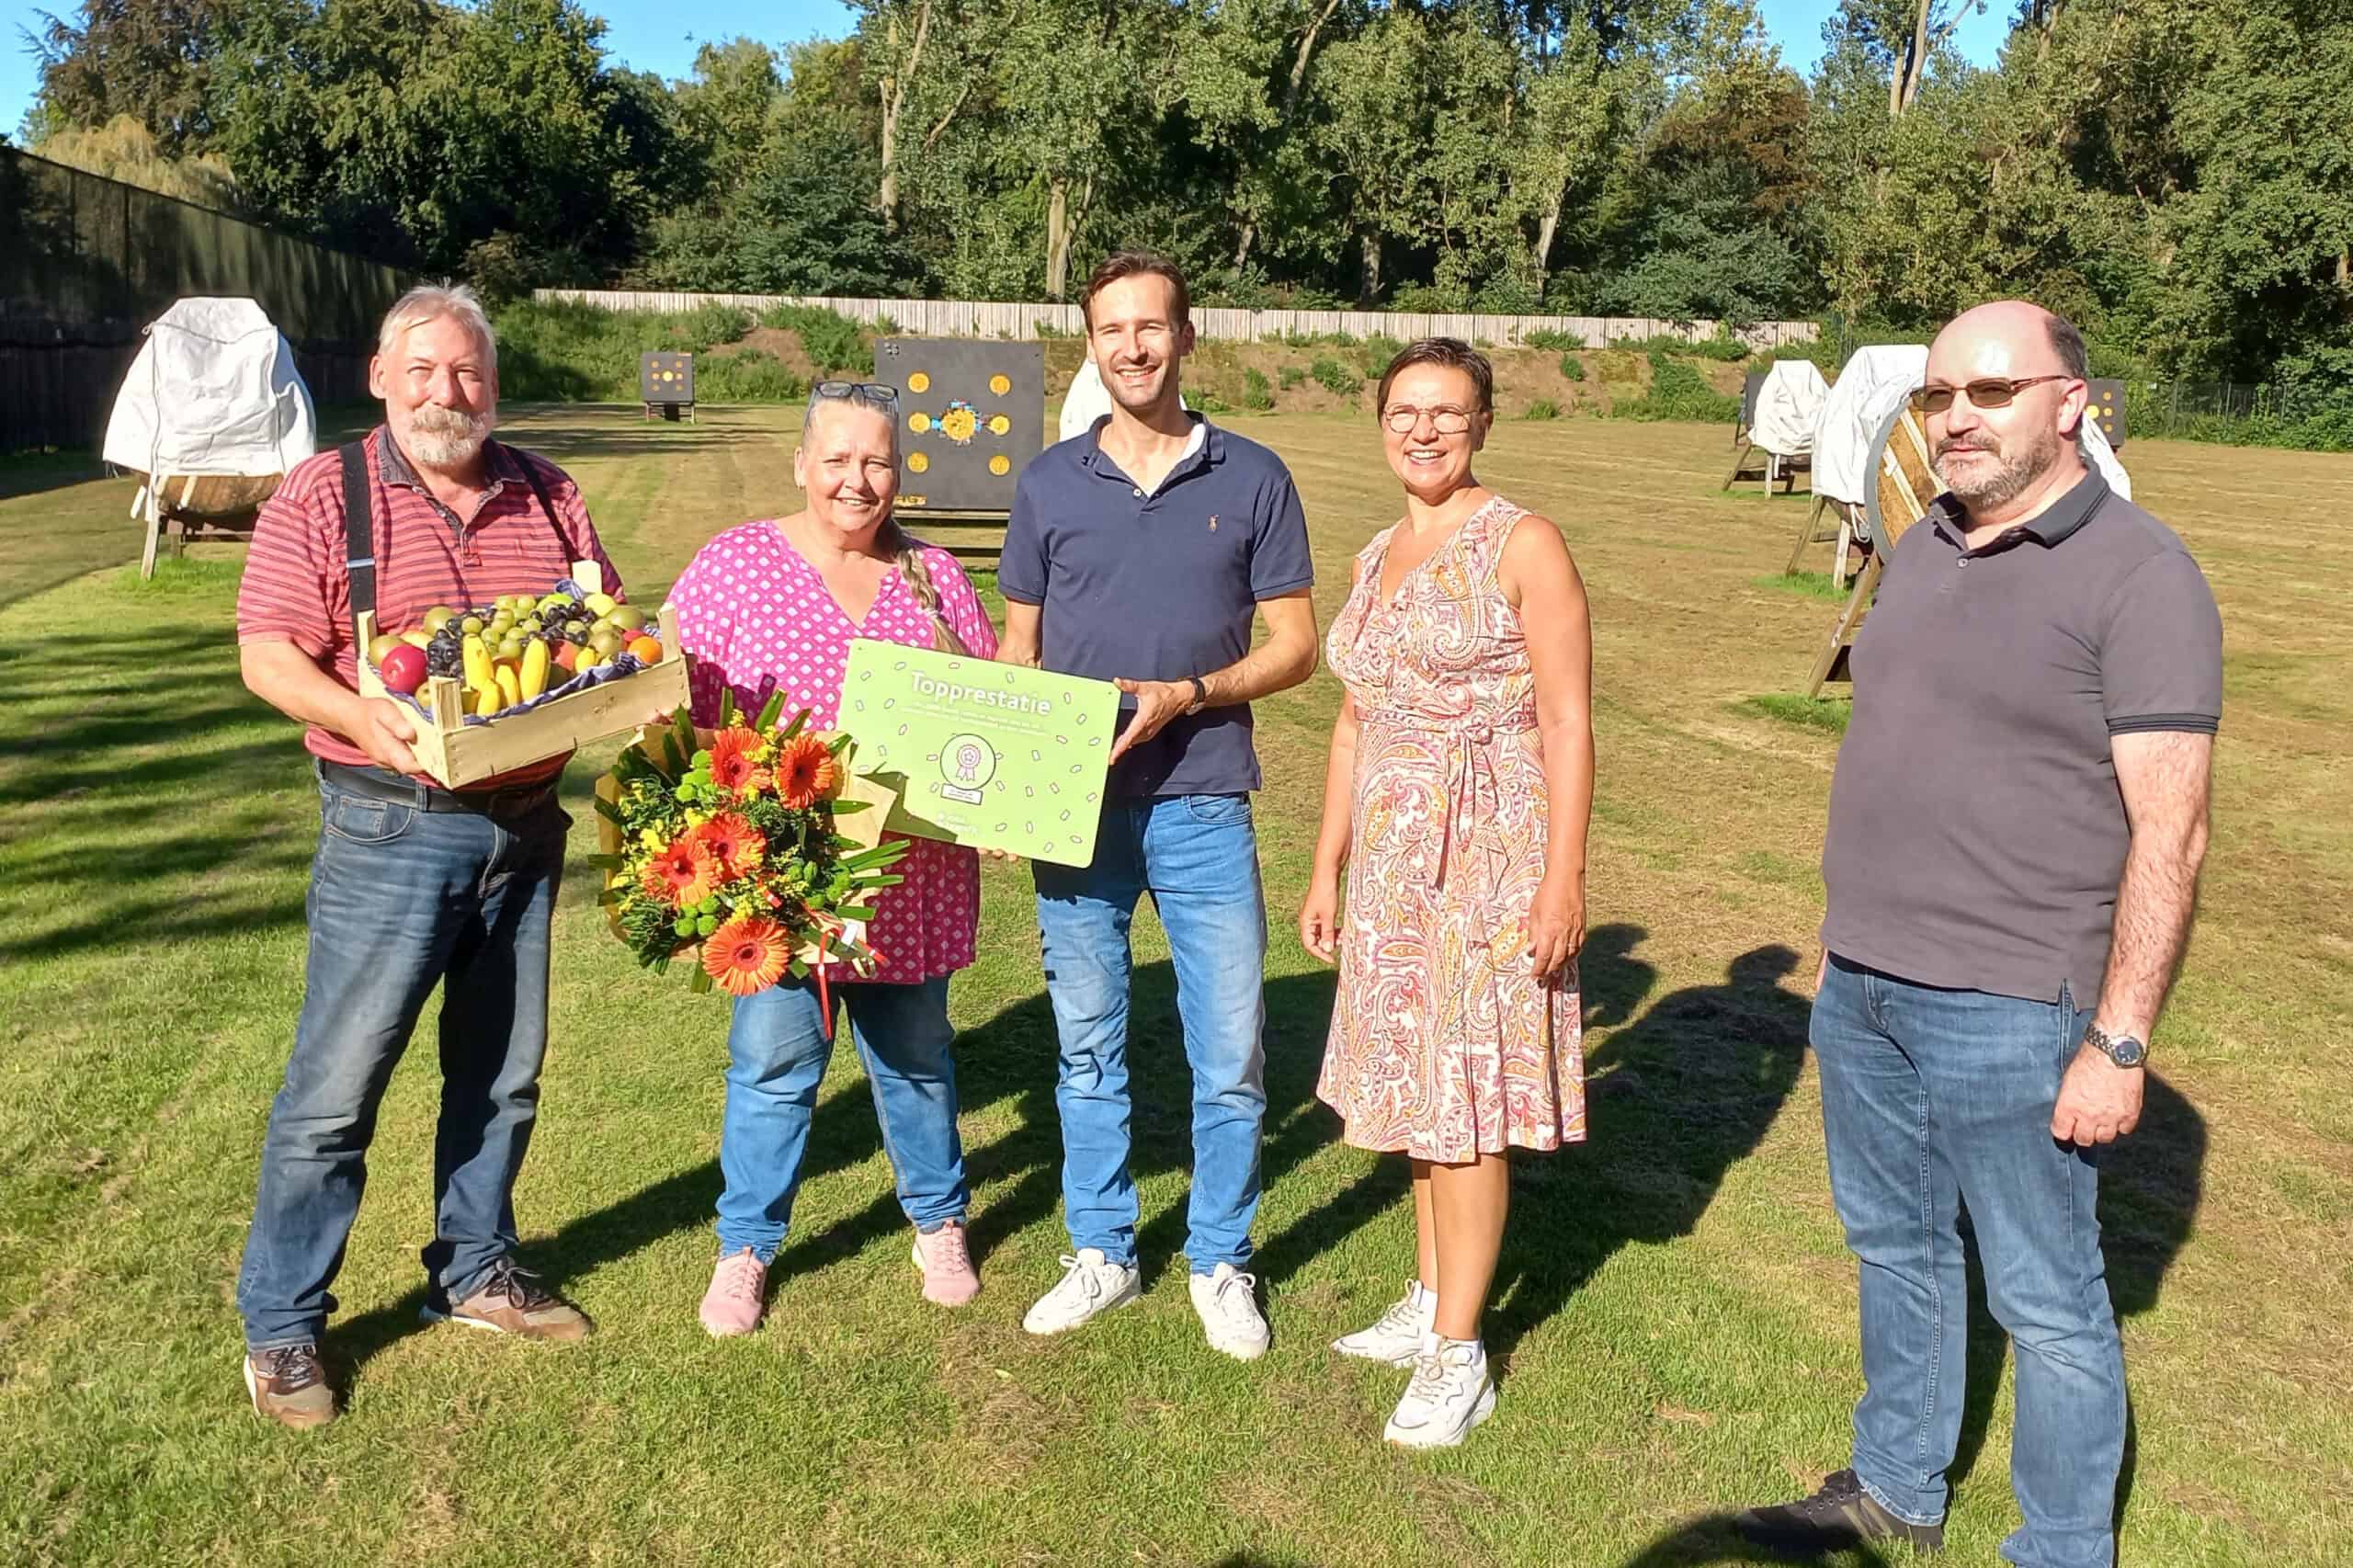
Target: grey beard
x: 2010, y: 479
x: 443, y: 437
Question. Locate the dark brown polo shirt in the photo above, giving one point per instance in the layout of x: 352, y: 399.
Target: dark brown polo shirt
x: 1976, y: 831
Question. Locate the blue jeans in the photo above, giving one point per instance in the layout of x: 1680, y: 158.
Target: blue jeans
x: 776, y: 1053
x: 1935, y: 1099
x: 402, y: 899
x: 1198, y: 859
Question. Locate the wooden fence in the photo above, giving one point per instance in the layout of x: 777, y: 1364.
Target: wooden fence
x: 967, y: 318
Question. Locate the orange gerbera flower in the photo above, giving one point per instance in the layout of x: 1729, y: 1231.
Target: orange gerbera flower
x: 732, y: 766
x: 747, y: 954
x: 734, y: 845
x: 682, y: 874
x: 806, y: 772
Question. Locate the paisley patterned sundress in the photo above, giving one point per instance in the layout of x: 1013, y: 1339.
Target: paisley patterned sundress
x: 1444, y: 1042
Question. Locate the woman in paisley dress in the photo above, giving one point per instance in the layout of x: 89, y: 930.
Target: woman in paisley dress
x: 1459, y: 788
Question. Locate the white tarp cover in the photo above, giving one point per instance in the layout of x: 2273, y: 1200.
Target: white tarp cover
x: 1787, y: 406
x: 214, y: 390
x: 1088, y: 400
x: 1873, y: 382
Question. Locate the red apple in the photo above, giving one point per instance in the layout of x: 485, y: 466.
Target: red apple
x: 402, y: 669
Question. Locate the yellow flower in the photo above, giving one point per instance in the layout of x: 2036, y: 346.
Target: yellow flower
x: 697, y: 818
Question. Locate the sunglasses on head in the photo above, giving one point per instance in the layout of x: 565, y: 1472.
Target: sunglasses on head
x: 1992, y: 391
x: 873, y: 395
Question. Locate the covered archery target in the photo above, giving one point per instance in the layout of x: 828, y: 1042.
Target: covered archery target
x: 971, y: 414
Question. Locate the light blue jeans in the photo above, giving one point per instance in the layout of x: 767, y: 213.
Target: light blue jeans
x: 776, y: 1053
x: 1198, y: 856
x: 403, y: 899
x: 1935, y: 1099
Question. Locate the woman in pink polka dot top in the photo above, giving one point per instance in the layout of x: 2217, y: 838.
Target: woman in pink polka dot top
x: 771, y: 607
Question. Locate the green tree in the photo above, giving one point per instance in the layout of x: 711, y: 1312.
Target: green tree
x: 148, y: 59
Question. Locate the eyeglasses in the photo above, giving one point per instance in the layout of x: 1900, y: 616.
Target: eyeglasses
x: 1993, y: 392
x: 1445, y: 421
x: 873, y: 395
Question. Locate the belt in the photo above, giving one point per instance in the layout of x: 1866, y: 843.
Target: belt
x: 1469, y: 771
x: 378, y: 784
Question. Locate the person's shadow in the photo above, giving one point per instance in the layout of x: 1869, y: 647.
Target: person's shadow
x: 1674, y: 1101
x: 2151, y: 1184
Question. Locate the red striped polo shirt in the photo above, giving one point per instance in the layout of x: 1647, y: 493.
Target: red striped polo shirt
x: 297, y: 588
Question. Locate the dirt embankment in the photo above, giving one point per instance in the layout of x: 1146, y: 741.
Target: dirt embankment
x: 1336, y: 378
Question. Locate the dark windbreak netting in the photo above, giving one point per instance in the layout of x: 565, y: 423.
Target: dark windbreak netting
x: 86, y: 262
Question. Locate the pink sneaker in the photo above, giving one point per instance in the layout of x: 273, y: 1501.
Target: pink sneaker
x: 948, y: 1277
x: 733, y: 1303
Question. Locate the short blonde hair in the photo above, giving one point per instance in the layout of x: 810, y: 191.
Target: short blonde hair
x: 431, y: 301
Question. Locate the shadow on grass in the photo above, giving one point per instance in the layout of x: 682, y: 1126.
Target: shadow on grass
x: 582, y: 432
x: 1684, y: 1093
x: 2150, y: 1186
x: 154, y: 771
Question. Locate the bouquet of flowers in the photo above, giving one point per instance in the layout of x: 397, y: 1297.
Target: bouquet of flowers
x: 720, y: 844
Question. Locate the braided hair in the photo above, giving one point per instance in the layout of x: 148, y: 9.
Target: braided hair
x: 909, y: 551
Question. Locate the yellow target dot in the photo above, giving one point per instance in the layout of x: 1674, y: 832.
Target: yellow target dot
x: 917, y: 463
x: 998, y: 423
x: 1000, y: 464
x: 1000, y: 384
x: 918, y: 422
x: 918, y: 382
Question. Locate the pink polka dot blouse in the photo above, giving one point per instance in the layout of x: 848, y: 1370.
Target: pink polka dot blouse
x: 756, y: 618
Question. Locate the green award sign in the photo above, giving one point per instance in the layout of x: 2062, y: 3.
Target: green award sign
x: 989, y: 756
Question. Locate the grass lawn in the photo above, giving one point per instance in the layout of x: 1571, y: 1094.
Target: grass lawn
x: 1676, y: 1317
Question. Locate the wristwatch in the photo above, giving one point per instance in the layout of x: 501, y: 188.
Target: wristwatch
x: 1200, y: 696
x: 2123, y: 1049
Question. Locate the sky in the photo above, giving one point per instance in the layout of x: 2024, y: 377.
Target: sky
x: 663, y: 35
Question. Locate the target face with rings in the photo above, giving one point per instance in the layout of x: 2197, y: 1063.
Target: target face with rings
x: 972, y: 415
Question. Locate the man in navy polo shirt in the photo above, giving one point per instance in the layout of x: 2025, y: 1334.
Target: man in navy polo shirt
x: 1140, y: 552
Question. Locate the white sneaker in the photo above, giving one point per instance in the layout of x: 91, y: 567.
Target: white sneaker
x: 1228, y: 1304
x: 1395, y: 1336
x: 1450, y: 1394
x: 1090, y: 1284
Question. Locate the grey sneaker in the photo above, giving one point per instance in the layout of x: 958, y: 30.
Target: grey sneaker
x: 1839, y: 1515
x: 512, y: 1300
x: 289, y: 1386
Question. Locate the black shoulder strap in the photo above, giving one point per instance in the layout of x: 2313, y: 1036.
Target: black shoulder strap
x: 358, y: 533
x: 539, y: 493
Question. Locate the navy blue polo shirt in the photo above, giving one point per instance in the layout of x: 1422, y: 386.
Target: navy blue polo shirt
x: 1158, y: 587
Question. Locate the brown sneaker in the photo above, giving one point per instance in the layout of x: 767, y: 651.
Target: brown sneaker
x: 289, y: 1386
x: 512, y: 1302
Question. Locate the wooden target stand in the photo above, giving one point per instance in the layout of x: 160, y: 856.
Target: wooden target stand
x: 973, y: 538
x: 177, y: 508
x: 1906, y: 486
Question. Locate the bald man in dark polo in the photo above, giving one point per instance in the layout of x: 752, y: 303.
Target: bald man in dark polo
x: 2016, y: 828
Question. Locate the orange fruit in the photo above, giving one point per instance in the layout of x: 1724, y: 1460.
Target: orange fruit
x: 647, y: 649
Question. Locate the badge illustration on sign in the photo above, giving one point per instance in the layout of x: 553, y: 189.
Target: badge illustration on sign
x: 989, y: 755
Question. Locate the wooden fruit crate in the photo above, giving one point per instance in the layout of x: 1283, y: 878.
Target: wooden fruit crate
x: 458, y: 754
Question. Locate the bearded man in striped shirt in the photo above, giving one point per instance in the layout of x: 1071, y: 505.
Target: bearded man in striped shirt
x: 412, y: 885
